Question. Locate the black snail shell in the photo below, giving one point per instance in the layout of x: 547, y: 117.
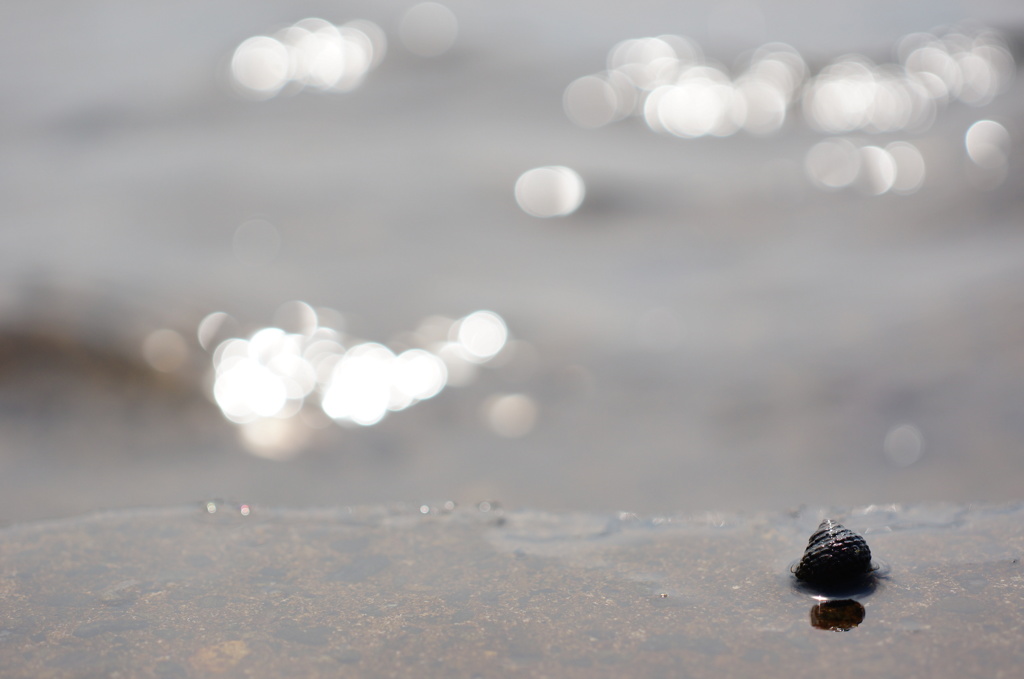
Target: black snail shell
x: 835, y: 557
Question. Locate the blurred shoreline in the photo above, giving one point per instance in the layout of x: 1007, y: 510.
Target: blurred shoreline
x: 717, y: 326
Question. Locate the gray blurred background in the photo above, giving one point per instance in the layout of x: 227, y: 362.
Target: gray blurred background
x: 723, y: 323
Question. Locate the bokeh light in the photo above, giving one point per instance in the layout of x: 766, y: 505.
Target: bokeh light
x: 669, y: 82
x: 246, y: 388
x: 511, y: 415
x: 703, y: 101
x: 910, y: 167
x: 214, y: 328
x: 972, y: 67
x: 838, y: 162
x: 165, y: 350
x: 878, y: 170
x: 554, y: 191
x: 428, y: 29
x: 274, y: 438
x: 854, y: 94
x: 865, y: 116
x: 312, y: 53
x: 278, y: 383
x: 593, y: 101
x: 833, y: 163
x: 359, y: 389
x: 260, y: 66
x: 988, y: 144
x: 903, y: 445
x: 419, y: 375
x: 482, y: 335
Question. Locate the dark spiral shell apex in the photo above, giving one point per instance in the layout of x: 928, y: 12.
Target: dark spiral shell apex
x: 835, y: 556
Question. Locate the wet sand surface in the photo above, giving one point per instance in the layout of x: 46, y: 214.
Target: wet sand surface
x: 482, y: 592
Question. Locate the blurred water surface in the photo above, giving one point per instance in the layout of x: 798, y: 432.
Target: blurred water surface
x: 321, y: 254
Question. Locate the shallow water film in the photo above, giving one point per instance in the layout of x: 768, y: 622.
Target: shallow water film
x: 222, y: 590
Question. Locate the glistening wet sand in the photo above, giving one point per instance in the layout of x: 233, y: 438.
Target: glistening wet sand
x: 414, y: 591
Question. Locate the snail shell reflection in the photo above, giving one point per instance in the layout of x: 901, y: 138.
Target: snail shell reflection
x: 840, y: 615
x: 835, y: 556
